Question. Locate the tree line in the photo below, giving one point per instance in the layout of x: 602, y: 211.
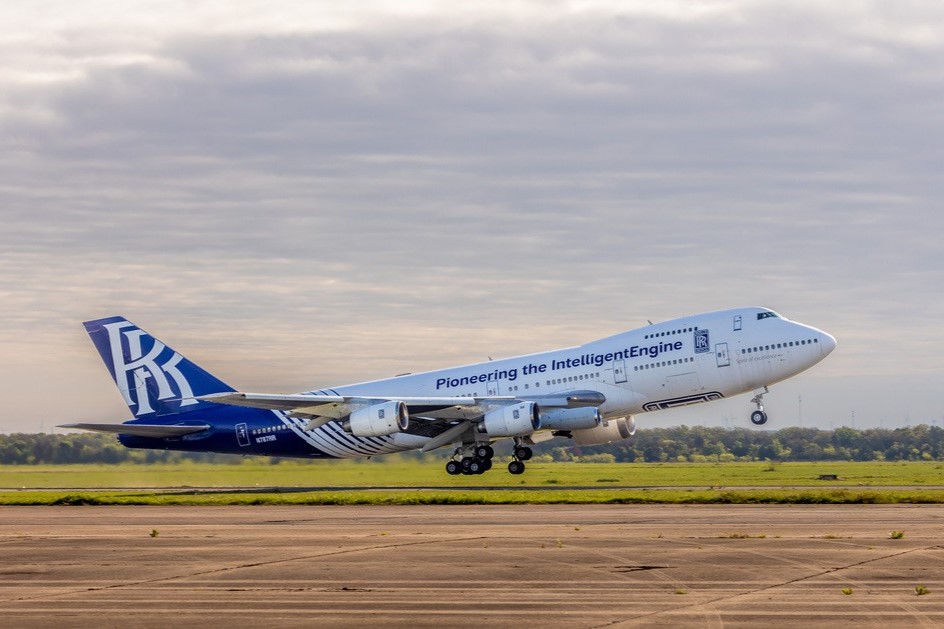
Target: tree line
x: 699, y: 444
x: 676, y: 444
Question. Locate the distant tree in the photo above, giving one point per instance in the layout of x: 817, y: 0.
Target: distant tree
x: 683, y: 443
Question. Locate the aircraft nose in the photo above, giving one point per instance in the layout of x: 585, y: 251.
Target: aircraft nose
x: 827, y: 343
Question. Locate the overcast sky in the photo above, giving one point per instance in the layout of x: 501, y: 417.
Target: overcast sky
x: 301, y: 196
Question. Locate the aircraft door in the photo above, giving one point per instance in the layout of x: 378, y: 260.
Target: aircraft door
x: 242, y: 434
x: 721, y: 353
x: 619, y: 371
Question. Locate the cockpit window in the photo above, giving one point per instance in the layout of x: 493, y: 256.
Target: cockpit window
x: 767, y: 314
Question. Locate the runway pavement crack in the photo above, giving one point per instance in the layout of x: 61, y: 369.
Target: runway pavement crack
x: 201, y: 573
x: 766, y: 588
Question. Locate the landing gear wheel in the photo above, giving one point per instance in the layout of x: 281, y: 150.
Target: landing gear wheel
x: 484, y: 452
x: 523, y: 453
x: 486, y: 465
x: 453, y: 468
x: 466, y: 464
x: 516, y: 467
x: 759, y: 417
x: 476, y: 467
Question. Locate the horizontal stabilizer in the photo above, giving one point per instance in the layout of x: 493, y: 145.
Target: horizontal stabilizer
x: 155, y: 431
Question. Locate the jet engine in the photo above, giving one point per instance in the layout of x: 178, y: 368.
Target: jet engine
x: 607, y: 432
x: 379, y: 420
x: 571, y: 418
x: 513, y: 420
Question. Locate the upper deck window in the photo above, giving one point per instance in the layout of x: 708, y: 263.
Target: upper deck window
x: 767, y: 314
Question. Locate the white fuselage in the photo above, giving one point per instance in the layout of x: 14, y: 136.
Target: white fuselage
x: 684, y: 361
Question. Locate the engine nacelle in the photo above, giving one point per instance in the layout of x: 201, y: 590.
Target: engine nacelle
x: 514, y: 420
x: 571, y: 418
x: 379, y: 420
x: 607, y: 432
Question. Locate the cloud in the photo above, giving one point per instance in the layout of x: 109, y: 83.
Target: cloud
x: 481, y: 182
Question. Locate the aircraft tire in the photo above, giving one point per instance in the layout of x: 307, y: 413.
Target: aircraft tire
x: 453, y: 468
x: 758, y: 418
x: 523, y: 453
x: 484, y: 452
x: 516, y: 467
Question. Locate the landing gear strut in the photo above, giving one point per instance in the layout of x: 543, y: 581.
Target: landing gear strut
x: 759, y: 417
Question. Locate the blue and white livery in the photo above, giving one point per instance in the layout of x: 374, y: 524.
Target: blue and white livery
x: 588, y: 393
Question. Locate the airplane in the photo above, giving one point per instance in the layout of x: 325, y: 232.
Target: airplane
x: 589, y: 394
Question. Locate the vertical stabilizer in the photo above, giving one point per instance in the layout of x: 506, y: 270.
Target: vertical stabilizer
x: 153, y: 379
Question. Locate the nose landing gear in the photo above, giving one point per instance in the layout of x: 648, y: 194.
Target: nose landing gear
x: 759, y: 417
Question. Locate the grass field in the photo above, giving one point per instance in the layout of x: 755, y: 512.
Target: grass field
x: 413, y: 474
x: 397, y: 482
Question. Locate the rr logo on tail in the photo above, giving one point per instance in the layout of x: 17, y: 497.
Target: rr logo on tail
x: 138, y: 371
x: 152, y: 377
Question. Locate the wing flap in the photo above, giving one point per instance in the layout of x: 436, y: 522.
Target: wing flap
x: 447, y: 437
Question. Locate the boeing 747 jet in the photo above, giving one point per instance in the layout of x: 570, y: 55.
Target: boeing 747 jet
x: 588, y: 394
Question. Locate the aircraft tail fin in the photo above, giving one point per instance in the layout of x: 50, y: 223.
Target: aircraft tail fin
x: 153, y: 379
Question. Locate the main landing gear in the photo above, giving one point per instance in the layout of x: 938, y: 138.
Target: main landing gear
x: 476, y: 458
x: 759, y: 417
x: 522, y: 454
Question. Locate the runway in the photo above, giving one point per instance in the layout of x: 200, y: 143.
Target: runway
x: 548, y: 566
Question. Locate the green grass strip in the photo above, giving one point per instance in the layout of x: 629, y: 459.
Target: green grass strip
x: 455, y: 497
x: 396, y: 473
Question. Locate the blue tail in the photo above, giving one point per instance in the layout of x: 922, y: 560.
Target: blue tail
x: 153, y: 379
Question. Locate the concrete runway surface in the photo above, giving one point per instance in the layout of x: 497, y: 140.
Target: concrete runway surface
x: 547, y: 566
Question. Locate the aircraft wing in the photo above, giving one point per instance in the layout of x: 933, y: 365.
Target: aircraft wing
x: 441, y: 408
x: 156, y: 431
x: 340, y: 406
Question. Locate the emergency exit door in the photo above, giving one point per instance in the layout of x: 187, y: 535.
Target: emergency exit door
x: 721, y: 353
